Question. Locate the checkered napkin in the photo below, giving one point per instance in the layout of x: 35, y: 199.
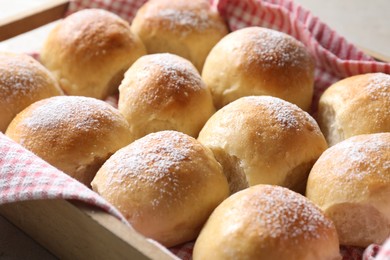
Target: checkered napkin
x: 23, y: 176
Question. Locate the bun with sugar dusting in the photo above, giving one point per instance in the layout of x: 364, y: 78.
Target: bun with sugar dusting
x: 350, y: 182
x: 264, y: 140
x: 166, y: 184
x: 89, y: 51
x: 23, y: 81
x: 267, y: 222
x: 186, y: 28
x: 354, y: 106
x: 74, y: 134
x: 164, y: 92
x: 259, y: 61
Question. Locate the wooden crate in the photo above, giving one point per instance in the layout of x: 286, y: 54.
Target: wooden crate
x: 31, y: 19
x: 73, y: 230
x: 70, y: 229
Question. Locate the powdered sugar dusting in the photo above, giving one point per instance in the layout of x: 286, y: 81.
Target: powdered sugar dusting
x: 185, y: 18
x: 158, y: 159
x: 379, y: 86
x: 271, y: 48
x: 76, y: 113
x: 287, y: 115
x: 164, y: 79
x: 179, y: 73
x: 360, y: 157
x: 187, y: 21
x: 19, y: 78
x: 155, y: 158
x: 284, y: 113
x: 288, y: 215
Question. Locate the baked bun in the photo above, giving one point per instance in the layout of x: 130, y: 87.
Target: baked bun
x: 267, y: 222
x: 164, y: 92
x: 259, y: 61
x: 264, y: 140
x: 74, y: 134
x: 89, y: 51
x: 354, y: 106
x: 350, y: 182
x: 186, y: 28
x: 166, y: 184
x: 23, y: 81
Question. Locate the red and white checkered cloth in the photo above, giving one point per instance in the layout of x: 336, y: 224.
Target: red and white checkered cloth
x: 23, y: 176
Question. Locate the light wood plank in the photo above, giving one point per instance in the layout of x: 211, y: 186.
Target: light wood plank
x: 77, y: 231
x: 33, y: 18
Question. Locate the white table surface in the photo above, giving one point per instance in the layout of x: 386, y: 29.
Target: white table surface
x: 362, y: 22
x: 366, y: 23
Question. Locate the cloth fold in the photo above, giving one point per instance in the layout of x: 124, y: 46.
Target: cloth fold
x: 24, y: 176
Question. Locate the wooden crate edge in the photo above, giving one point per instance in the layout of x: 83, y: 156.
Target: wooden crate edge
x: 77, y: 231
x: 34, y: 18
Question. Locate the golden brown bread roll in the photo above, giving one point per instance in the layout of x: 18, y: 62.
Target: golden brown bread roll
x: 355, y: 105
x: 74, y: 134
x: 267, y: 222
x: 23, y: 81
x: 89, y: 51
x: 164, y: 92
x: 186, y: 28
x: 259, y: 61
x: 264, y: 140
x: 166, y: 184
x: 350, y: 182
